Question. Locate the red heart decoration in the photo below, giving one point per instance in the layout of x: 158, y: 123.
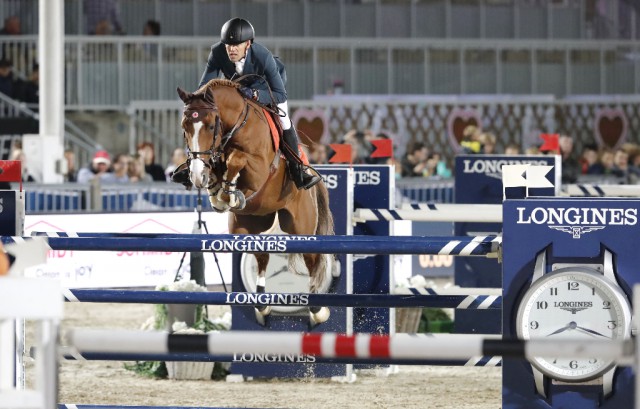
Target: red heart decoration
x: 457, y: 121
x: 611, y: 126
x: 311, y: 125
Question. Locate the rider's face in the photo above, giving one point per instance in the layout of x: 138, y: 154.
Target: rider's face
x: 237, y: 52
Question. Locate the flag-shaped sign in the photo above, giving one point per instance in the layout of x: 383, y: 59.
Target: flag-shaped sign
x: 550, y: 142
x: 342, y: 153
x: 10, y: 171
x: 384, y: 148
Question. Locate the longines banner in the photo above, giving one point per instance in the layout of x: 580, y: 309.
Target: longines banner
x: 92, y: 269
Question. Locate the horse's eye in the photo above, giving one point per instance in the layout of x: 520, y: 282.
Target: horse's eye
x: 211, y: 128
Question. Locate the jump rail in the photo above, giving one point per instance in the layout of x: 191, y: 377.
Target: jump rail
x: 72, y: 355
x: 487, y: 246
x: 480, y: 213
x: 602, y: 190
x: 480, y: 302
x: 332, y: 345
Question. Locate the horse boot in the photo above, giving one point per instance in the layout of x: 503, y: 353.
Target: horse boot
x: 297, y: 170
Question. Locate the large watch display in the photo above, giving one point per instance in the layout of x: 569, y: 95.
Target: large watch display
x: 579, y: 302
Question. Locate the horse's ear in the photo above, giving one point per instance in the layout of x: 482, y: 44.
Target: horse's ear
x: 184, y: 96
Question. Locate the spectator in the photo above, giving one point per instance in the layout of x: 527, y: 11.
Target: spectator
x: 120, y: 172
x: 360, y: 146
x: 10, y: 50
x: 12, y: 27
x: 151, y: 28
x: 621, y: 165
x: 570, y: 166
x: 512, y: 149
x: 588, y: 158
x: 72, y: 174
x: 18, y: 154
x: 98, y: 170
x: 488, y: 141
x: 8, y: 84
x: 136, y: 170
x: 604, y: 166
x: 147, y: 152
x: 414, y: 162
x: 102, y: 17
x: 318, y: 154
x: 471, y: 139
x: 178, y: 157
x: 28, y: 91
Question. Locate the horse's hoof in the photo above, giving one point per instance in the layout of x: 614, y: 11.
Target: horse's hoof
x: 215, y: 205
x: 262, y: 314
x: 336, y: 269
x: 319, y: 317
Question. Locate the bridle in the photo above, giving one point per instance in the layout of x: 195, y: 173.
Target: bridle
x: 195, y: 114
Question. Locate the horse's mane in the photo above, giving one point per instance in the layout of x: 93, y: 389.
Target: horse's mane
x: 219, y: 82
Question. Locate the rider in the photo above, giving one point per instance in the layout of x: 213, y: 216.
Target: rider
x: 236, y: 55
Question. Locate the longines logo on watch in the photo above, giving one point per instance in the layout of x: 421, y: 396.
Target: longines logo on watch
x: 493, y: 168
x: 577, y: 221
x: 573, y: 306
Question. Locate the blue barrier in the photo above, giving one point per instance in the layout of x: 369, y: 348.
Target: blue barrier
x: 224, y: 243
x: 287, y: 299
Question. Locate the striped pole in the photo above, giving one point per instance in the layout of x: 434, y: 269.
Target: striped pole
x: 580, y: 190
x: 487, y: 246
x: 72, y: 355
x: 481, y: 302
x: 332, y: 345
x: 433, y: 213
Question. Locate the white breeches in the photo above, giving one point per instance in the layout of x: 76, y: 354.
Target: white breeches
x: 285, y: 120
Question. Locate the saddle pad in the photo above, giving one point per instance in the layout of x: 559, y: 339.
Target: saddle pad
x: 275, y: 136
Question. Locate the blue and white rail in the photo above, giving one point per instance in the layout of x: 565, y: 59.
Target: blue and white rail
x: 431, y: 212
x: 479, y: 301
x: 487, y: 246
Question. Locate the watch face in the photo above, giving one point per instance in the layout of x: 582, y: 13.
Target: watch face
x: 573, y: 303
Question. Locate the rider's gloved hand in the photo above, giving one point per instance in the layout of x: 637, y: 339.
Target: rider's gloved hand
x: 249, y: 93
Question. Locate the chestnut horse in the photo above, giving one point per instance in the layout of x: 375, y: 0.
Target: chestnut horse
x: 231, y: 153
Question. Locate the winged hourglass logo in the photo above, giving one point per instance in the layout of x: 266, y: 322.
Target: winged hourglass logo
x: 577, y: 231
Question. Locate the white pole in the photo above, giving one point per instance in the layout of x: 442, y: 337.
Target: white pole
x: 51, y: 106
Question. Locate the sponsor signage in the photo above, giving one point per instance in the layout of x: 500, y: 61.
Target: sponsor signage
x: 99, y: 269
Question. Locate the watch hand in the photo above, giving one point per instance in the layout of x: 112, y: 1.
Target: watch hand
x: 566, y: 327
x: 590, y: 331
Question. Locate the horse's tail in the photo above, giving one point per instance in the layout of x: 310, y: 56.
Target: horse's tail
x: 322, y: 278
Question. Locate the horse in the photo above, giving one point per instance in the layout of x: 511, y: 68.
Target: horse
x: 232, y: 154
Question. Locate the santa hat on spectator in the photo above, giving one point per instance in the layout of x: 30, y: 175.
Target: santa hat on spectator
x: 102, y: 157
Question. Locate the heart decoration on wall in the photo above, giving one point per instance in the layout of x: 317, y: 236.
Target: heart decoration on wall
x: 611, y: 126
x: 312, y: 125
x: 457, y: 121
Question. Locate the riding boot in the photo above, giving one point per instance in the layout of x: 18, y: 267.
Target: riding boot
x: 297, y: 170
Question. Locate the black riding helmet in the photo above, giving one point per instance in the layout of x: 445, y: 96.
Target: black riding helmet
x: 236, y: 31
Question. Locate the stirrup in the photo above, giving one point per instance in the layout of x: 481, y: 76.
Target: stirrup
x: 307, y: 181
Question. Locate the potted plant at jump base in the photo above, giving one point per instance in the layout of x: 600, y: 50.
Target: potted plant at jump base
x: 183, y: 319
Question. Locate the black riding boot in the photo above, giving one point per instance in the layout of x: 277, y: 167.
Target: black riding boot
x: 297, y: 170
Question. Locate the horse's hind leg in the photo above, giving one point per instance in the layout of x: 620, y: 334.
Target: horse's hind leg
x: 262, y: 311
x: 317, y: 315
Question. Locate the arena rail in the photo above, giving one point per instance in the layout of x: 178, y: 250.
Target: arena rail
x: 286, y: 299
x: 487, y: 246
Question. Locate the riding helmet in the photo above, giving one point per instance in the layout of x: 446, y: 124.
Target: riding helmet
x: 236, y: 31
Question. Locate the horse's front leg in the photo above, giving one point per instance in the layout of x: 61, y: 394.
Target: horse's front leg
x: 229, y: 192
x: 262, y: 311
x: 215, y: 185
